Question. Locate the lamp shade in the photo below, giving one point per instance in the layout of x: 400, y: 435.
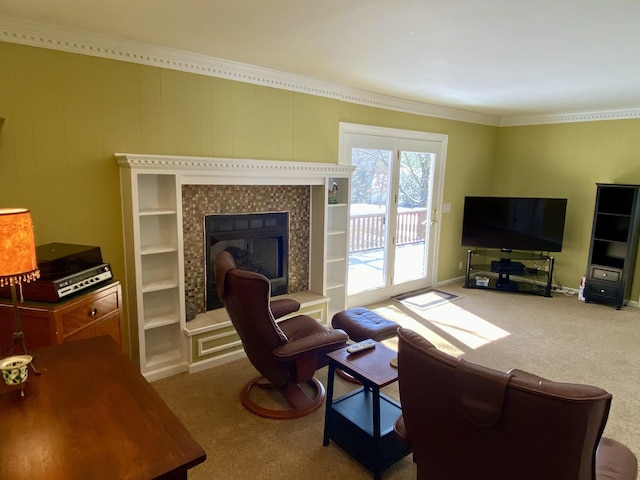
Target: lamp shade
x: 17, y: 247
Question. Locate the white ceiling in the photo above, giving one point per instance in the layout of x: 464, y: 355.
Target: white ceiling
x: 496, y: 57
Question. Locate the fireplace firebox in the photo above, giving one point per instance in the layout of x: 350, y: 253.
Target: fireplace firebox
x: 258, y: 242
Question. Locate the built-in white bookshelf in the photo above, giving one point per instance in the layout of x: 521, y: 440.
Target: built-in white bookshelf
x: 337, y: 247
x: 154, y: 270
x: 154, y: 254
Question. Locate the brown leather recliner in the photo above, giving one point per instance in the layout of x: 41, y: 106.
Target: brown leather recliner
x: 465, y: 422
x: 287, y: 354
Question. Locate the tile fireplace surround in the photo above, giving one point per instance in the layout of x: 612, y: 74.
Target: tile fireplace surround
x: 201, y: 200
x: 164, y: 201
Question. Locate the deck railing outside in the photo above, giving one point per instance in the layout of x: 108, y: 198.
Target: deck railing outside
x: 367, y: 230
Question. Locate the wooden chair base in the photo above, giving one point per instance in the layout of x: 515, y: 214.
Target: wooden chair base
x: 298, y: 403
x: 345, y: 376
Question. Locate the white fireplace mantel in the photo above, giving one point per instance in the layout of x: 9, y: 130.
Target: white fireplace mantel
x: 154, y: 256
x: 227, y: 171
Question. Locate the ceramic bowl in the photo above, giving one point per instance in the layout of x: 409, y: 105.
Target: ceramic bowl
x: 15, y: 370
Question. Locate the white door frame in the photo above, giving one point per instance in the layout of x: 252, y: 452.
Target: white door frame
x: 344, y: 157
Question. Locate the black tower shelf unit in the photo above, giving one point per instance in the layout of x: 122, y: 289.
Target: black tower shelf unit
x: 614, y: 243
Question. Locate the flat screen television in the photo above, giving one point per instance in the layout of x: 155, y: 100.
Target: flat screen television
x: 514, y: 223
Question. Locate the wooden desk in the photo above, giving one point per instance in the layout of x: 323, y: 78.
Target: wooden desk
x: 91, y: 415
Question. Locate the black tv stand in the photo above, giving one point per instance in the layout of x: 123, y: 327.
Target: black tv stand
x: 511, y: 271
x: 503, y: 282
x: 507, y: 266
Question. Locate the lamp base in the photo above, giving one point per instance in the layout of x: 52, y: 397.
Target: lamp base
x: 18, y: 337
x: 18, y: 334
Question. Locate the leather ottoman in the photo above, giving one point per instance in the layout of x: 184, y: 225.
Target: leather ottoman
x: 361, y: 324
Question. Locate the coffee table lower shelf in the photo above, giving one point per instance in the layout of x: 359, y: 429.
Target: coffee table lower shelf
x: 351, y: 426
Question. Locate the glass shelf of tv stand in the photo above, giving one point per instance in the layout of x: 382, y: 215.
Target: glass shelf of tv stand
x: 511, y: 271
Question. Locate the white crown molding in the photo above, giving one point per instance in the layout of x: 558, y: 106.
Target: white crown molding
x: 36, y: 34
x: 569, y: 118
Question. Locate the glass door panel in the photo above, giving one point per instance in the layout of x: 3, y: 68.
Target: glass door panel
x: 412, y: 218
x: 370, y: 187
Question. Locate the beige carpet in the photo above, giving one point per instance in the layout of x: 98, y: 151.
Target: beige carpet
x: 559, y: 338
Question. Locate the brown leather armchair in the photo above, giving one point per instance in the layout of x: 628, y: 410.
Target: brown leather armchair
x: 464, y: 422
x: 287, y: 354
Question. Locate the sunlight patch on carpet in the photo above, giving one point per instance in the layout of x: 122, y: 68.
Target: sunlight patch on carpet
x: 426, y: 298
x: 449, y: 327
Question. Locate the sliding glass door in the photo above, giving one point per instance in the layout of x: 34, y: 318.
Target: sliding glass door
x: 393, y: 218
x: 414, y: 216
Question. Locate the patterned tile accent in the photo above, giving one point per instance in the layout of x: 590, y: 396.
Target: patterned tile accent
x: 201, y: 200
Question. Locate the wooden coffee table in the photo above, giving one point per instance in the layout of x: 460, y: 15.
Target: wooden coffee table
x: 361, y: 422
x: 91, y: 415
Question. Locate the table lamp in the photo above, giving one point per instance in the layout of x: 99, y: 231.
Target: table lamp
x: 17, y: 260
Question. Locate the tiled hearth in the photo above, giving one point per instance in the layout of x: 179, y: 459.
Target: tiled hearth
x: 201, y: 200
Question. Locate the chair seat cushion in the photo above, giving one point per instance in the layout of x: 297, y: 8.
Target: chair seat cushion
x: 361, y: 324
x: 614, y: 461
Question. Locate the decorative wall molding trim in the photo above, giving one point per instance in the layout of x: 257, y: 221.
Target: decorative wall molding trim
x: 570, y: 118
x: 227, y: 171
x: 35, y: 34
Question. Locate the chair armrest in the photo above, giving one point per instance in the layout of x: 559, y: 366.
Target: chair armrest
x: 311, y: 343
x: 284, y: 306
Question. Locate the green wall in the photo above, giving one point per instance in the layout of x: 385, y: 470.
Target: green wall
x: 567, y: 160
x: 67, y: 114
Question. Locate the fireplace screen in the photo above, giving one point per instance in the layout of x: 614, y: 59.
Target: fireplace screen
x: 258, y: 242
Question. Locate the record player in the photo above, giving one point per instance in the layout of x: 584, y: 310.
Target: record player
x: 65, y: 269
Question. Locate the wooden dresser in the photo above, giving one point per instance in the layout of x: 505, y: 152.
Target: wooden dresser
x: 88, y: 314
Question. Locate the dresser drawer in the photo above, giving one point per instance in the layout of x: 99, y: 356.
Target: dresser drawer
x: 97, y: 311
x: 86, y: 312
x: 605, y: 275
x: 602, y: 291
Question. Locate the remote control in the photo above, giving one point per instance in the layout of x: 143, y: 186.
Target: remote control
x: 363, y: 345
